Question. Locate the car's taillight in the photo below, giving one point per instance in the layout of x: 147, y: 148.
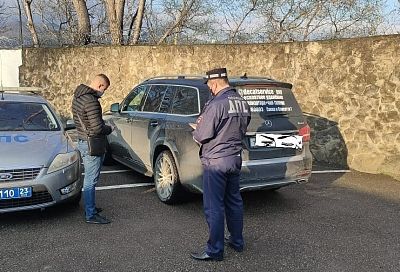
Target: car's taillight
x: 305, y: 132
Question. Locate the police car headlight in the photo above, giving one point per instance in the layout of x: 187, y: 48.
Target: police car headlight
x: 63, y: 160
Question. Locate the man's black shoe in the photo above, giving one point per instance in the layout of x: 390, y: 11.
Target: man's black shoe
x: 97, y: 210
x: 229, y: 243
x: 97, y: 219
x: 203, y: 256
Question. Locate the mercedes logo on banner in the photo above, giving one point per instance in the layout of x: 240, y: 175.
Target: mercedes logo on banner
x: 268, y: 123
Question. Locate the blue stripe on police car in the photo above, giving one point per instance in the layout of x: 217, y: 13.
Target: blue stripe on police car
x: 16, y: 138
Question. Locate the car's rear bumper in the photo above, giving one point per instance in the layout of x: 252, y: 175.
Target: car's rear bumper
x: 267, y: 174
x: 45, y: 189
x: 275, y: 173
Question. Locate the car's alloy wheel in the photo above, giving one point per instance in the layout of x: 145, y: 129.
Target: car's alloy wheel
x: 166, y: 178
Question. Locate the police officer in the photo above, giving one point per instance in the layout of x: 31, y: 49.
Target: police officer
x: 220, y: 130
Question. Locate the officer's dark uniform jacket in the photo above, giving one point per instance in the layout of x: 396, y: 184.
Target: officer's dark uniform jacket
x: 87, y: 106
x: 216, y: 129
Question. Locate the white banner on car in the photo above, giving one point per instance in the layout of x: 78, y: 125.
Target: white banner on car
x: 279, y: 140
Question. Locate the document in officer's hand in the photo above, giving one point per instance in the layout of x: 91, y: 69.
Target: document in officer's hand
x: 193, y: 125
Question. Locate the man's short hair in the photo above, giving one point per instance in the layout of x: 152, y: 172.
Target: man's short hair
x: 105, y: 78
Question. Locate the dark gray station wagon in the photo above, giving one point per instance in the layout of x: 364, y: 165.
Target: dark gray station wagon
x: 153, y: 136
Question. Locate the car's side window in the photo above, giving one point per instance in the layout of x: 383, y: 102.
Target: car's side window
x: 134, y: 100
x: 186, y: 101
x: 154, y: 98
x: 205, y: 95
x: 166, y: 101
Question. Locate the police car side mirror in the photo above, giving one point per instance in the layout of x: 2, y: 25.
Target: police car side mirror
x: 114, y: 107
x: 70, y: 125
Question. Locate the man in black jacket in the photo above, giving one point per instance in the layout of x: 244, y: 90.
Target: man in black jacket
x: 87, y: 114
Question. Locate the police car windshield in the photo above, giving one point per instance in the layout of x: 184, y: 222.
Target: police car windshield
x: 21, y: 116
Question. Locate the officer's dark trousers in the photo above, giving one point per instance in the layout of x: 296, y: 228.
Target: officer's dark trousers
x: 221, y: 196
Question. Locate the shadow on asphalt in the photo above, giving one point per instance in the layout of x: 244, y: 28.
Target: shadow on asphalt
x: 61, y: 211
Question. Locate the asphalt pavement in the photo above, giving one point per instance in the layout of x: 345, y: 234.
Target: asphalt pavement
x: 336, y: 222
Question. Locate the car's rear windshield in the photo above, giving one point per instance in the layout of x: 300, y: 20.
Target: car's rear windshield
x: 267, y: 101
x: 22, y: 116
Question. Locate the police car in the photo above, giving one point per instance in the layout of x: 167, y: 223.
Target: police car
x: 153, y: 135
x: 39, y: 166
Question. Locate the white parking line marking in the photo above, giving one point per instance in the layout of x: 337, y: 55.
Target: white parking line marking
x: 113, y: 171
x: 123, y: 186
x: 313, y: 172
x: 330, y: 171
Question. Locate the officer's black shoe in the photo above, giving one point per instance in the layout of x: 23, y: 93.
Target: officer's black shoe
x: 97, y: 219
x: 203, y: 256
x: 229, y: 243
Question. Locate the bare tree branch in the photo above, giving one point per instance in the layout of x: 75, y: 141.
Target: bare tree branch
x: 131, y: 24
x: 138, y: 22
x: 183, y: 13
x: 236, y: 30
x: 30, y: 24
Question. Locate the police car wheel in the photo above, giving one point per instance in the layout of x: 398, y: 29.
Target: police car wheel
x: 166, y: 178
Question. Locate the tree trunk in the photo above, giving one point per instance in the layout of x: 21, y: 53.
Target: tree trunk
x: 31, y: 26
x: 138, y: 22
x: 115, y: 12
x: 84, y: 28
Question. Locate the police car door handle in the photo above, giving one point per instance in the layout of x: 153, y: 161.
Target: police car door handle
x: 153, y: 123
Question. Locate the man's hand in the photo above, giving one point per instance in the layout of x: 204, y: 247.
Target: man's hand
x: 193, y: 125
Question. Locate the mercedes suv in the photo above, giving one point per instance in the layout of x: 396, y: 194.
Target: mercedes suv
x: 153, y: 136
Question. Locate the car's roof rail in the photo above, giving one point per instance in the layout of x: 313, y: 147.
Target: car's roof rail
x: 176, y: 77
x: 34, y: 90
x: 202, y: 77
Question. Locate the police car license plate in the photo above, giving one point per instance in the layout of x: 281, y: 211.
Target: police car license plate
x: 11, y: 193
x: 276, y: 140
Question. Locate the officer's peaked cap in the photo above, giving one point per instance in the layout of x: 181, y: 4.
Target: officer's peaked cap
x: 216, y: 73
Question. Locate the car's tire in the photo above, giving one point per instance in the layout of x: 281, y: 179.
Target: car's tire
x: 166, y: 178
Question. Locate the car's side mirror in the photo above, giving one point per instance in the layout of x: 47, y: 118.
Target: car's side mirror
x: 114, y: 107
x: 70, y: 125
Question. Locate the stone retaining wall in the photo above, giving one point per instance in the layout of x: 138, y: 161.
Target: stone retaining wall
x: 350, y: 89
